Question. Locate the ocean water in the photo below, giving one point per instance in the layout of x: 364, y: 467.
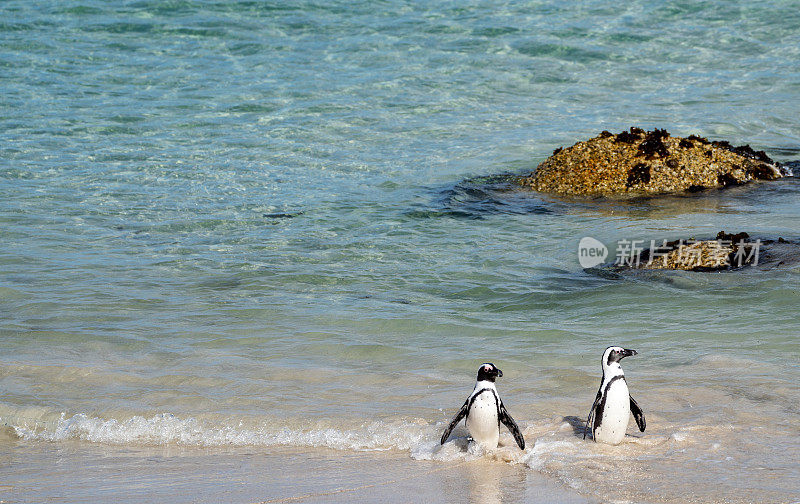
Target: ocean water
x: 271, y: 226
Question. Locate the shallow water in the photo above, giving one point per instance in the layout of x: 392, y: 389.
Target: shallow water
x: 281, y: 227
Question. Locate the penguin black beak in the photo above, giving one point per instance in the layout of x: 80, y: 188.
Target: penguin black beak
x: 499, y: 374
x: 628, y: 353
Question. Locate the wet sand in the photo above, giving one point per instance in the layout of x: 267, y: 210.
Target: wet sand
x: 79, y: 472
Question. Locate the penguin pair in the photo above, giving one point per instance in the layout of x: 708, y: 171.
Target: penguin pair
x: 484, y: 410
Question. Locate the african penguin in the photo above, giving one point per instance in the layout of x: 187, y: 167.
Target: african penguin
x: 613, y: 403
x: 484, y: 411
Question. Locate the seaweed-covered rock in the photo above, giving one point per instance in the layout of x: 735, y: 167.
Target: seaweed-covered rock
x: 638, y: 162
x: 724, y: 252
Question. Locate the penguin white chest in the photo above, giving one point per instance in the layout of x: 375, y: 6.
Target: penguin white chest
x: 482, y: 422
x: 613, y: 419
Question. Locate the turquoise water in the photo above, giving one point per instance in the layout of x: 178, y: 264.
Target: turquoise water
x: 279, y: 224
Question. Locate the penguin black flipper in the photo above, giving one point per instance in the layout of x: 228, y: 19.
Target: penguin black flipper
x: 638, y: 414
x: 592, y: 411
x: 509, y: 422
x: 461, y: 414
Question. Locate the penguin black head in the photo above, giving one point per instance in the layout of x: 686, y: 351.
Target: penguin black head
x: 615, y: 354
x: 488, y: 372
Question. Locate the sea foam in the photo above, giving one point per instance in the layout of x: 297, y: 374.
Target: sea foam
x: 419, y: 438
x: 167, y: 428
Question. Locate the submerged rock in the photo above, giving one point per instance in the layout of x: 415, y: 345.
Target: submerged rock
x: 638, y: 162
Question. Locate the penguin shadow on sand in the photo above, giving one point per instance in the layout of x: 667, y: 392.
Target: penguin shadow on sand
x: 579, y: 428
x: 578, y: 425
